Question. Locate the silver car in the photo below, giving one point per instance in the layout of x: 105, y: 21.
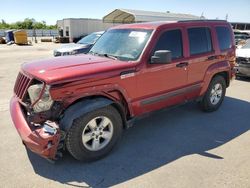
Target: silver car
x: 82, y: 46
x: 243, y: 60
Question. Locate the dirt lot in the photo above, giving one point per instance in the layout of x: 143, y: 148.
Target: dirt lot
x: 182, y: 147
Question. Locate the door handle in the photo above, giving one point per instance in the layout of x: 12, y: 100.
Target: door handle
x: 212, y: 57
x: 183, y: 64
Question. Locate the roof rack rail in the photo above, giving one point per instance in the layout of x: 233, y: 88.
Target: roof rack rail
x: 202, y: 20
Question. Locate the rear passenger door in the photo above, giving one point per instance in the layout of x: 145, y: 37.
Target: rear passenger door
x: 201, y: 55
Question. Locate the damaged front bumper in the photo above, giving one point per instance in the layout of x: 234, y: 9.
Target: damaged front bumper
x: 42, y: 140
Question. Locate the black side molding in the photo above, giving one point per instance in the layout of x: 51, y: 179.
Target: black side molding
x: 127, y: 72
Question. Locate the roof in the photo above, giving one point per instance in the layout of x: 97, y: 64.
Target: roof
x: 144, y: 25
x: 154, y: 25
x: 79, y: 19
x: 132, y: 16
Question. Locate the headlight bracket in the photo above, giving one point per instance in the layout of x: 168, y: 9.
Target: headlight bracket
x: 40, y: 97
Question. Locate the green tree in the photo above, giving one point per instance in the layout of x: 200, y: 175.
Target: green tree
x: 3, y: 25
x: 40, y: 25
x: 27, y: 23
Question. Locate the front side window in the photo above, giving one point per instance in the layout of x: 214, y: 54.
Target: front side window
x: 123, y: 44
x: 199, y: 40
x: 172, y: 41
x: 224, y: 37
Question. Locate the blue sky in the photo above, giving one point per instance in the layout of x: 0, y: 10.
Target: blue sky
x: 52, y: 10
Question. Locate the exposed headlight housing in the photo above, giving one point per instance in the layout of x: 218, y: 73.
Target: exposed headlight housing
x: 42, y: 103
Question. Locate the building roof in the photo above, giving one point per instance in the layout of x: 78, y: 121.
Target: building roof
x: 132, y: 16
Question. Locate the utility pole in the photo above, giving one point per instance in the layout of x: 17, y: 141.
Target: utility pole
x: 34, y: 31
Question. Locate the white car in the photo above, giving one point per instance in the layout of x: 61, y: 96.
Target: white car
x: 243, y: 60
x: 82, y: 46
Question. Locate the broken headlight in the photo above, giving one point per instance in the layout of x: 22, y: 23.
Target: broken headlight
x: 45, y: 101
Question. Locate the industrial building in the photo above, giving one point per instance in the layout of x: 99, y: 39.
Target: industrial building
x: 78, y: 27
x: 241, y: 25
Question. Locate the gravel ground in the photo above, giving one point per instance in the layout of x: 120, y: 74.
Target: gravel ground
x: 181, y: 147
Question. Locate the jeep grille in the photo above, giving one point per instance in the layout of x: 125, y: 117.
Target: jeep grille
x: 21, y: 85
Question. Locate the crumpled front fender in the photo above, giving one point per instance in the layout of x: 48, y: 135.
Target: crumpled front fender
x: 80, y: 108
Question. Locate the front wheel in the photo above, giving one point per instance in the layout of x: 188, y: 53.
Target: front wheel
x: 93, y: 135
x: 214, y: 94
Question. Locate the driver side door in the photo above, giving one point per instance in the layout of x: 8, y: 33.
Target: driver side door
x: 161, y: 85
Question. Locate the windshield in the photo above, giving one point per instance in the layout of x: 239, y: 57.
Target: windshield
x: 123, y: 44
x: 89, y: 39
x: 247, y: 45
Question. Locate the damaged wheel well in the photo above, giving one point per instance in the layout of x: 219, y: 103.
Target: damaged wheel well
x: 88, y: 104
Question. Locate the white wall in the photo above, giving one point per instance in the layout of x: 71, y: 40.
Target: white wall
x: 80, y: 27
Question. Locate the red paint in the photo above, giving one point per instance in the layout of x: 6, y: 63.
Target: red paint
x: 35, y: 139
x: 76, y: 77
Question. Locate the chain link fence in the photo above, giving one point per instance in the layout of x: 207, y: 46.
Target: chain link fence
x: 38, y: 32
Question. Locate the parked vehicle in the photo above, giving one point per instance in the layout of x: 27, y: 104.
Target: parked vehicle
x: 83, y: 103
x: 243, y: 60
x: 82, y: 46
x: 240, y: 37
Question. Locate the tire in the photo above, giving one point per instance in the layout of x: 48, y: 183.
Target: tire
x: 100, y: 142
x: 210, y: 102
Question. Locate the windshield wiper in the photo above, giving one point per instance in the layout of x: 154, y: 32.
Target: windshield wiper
x: 104, y: 55
x: 109, y: 56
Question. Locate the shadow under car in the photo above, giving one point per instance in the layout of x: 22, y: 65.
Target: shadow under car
x: 153, y: 142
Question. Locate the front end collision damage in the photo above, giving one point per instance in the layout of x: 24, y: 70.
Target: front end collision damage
x: 44, y: 131
x: 45, y: 139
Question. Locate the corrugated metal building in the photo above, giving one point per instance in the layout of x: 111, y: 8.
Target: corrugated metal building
x: 78, y: 27
x: 136, y: 16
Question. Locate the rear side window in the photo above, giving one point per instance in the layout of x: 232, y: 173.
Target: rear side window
x: 172, y: 41
x: 224, y: 37
x: 199, y: 40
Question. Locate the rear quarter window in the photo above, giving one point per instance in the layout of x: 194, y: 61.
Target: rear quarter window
x: 224, y: 37
x: 199, y: 40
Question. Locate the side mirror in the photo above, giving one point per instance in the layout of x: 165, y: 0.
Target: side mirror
x: 161, y: 57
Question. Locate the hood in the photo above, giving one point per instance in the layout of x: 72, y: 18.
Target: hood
x: 243, y: 52
x: 71, y: 47
x: 66, y: 68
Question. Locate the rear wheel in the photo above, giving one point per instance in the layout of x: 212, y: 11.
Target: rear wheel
x: 214, y: 94
x: 93, y: 135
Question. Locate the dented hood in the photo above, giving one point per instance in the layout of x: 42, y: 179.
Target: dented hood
x: 66, y: 68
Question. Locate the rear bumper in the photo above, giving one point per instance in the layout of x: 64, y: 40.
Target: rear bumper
x: 37, y: 139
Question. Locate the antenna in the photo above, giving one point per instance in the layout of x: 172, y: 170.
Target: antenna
x: 202, y: 17
x: 226, y: 16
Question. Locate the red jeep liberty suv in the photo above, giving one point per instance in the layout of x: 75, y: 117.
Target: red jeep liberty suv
x: 82, y: 103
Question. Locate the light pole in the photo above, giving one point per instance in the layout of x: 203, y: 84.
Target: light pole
x: 34, y: 31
